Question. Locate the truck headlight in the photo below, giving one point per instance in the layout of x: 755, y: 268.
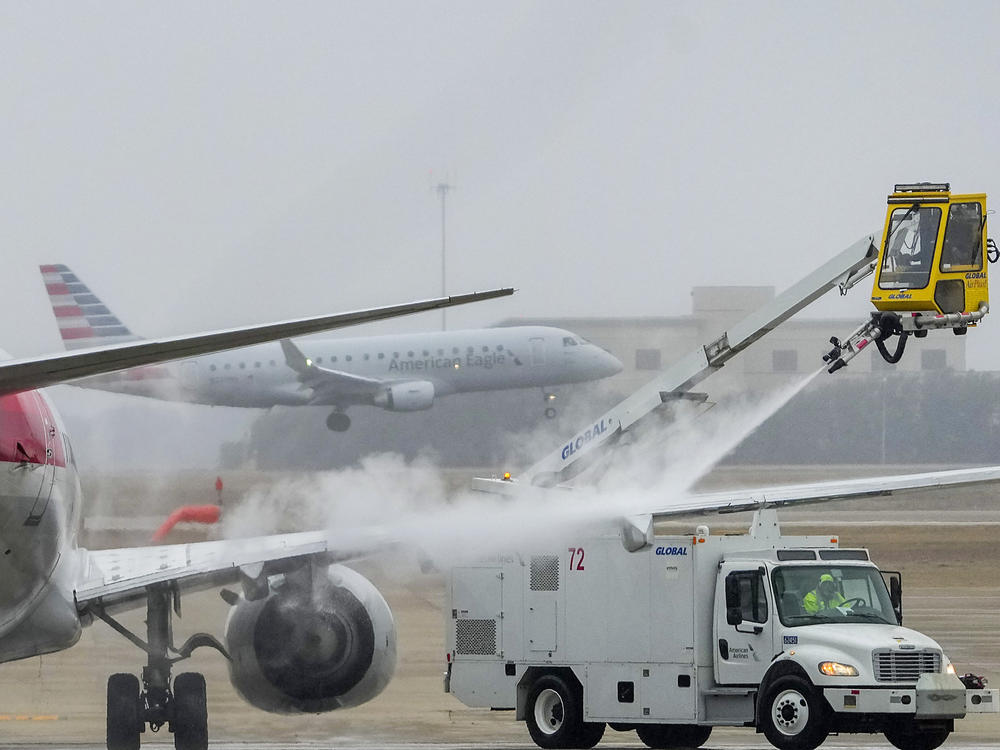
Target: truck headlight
x: 836, y: 669
x: 950, y: 669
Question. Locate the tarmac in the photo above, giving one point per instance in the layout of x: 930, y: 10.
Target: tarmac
x: 945, y: 545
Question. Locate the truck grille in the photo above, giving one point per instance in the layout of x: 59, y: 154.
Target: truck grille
x: 892, y: 665
x: 476, y: 637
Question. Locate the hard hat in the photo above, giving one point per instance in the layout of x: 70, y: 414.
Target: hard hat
x: 826, y: 577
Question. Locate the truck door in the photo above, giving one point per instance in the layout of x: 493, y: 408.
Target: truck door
x: 743, y: 624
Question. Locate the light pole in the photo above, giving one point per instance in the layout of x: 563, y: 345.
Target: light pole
x: 442, y: 189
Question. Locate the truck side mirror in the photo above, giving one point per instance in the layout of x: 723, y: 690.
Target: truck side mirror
x: 896, y: 597
x: 734, y: 611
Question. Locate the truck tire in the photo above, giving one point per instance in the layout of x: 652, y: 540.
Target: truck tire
x: 794, y: 715
x: 555, y: 716
x: 673, y: 735
x: 911, y: 736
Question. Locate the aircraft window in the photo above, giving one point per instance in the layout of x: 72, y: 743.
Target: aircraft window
x: 227, y: 366
x: 440, y: 352
x: 485, y: 349
x: 212, y: 368
x: 366, y: 358
x: 319, y: 360
x: 243, y: 365
x: 395, y: 355
x: 257, y: 365
x: 569, y: 341
x: 409, y: 354
x: 499, y: 347
x: 381, y: 355
x: 454, y: 350
x: 347, y: 358
x: 426, y: 353
x: 272, y: 363
x: 470, y: 350
x: 333, y: 359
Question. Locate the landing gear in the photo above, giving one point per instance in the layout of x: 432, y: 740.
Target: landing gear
x: 124, y: 712
x: 338, y: 421
x: 183, y: 709
x: 550, y: 409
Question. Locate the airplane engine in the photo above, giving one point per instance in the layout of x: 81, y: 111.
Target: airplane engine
x: 311, y: 648
x: 413, y: 396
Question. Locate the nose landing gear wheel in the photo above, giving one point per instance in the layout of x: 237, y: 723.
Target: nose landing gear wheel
x: 124, y: 722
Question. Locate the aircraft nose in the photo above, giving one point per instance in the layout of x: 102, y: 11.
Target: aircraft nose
x: 610, y: 364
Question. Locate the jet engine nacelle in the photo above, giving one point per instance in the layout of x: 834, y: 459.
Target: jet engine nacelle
x: 312, y: 646
x: 413, y: 396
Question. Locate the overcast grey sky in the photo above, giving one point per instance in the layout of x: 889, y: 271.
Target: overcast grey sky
x: 202, y: 165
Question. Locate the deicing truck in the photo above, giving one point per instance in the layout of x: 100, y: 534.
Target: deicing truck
x: 674, y: 635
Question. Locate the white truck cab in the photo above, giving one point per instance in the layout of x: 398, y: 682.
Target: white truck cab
x: 674, y: 635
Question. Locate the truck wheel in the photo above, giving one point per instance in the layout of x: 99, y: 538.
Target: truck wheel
x: 913, y: 737
x: 673, y: 735
x: 793, y: 715
x: 555, y: 716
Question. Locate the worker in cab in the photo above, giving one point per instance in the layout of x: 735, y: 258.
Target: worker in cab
x: 824, y: 596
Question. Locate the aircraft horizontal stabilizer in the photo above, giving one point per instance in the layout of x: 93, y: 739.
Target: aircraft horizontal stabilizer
x: 820, y: 492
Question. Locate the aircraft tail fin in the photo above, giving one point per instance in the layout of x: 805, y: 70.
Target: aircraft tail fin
x: 82, y: 318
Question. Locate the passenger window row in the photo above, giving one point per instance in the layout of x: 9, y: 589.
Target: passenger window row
x: 365, y: 357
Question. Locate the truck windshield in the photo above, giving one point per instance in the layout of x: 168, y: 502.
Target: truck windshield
x: 909, y: 247
x: 811, y: 594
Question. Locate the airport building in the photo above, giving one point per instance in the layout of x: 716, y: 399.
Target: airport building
x: 649, y: 344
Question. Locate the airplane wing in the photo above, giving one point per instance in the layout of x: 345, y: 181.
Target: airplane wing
x: 819, y: 492
x: 323, y: 381
x: 117, y: 578
x: 39, y: 372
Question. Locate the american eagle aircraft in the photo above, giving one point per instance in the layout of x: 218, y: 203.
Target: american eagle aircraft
x: 401, y: 372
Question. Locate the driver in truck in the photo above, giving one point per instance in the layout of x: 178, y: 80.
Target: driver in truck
x: 824, y: 596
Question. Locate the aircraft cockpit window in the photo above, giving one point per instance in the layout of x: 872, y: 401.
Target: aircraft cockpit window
x: 963, y: 238
x: 569, y: 341
x: 910, y: 247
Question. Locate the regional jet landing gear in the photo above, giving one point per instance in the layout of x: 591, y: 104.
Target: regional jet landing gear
x: 550, y: 400
x: 131, y: 707
x: 338, y: 421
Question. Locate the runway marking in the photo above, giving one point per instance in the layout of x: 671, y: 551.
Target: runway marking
x: 28, y: 717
